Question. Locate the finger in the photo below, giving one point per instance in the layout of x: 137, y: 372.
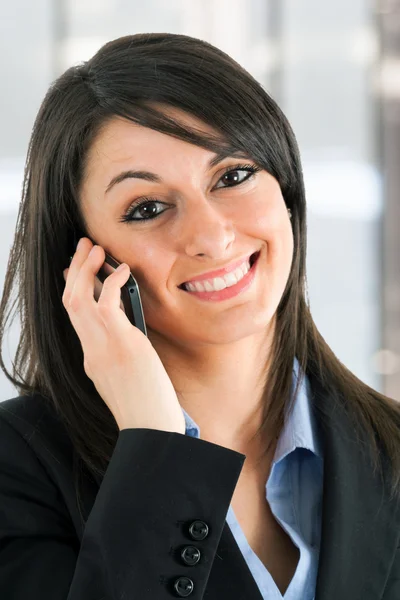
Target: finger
x: 94, y: 323
x: 88, y: 263
x: 78, y: 258
x: 98, y: 286
x: 110, y: 301
x: 79, y: 301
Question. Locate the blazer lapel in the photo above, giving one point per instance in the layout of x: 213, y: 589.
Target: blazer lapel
x: 360, y: 526
x: 230, y: 576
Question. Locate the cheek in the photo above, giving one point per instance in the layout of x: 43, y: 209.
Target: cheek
x: 282, y: 254
x: 280, y: 246
x: 151, y: 270
x: 253, y: 214
x: 263, y: 214
x: 141, y: 257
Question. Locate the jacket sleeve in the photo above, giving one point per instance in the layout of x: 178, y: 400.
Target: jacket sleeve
x: 152, y: 533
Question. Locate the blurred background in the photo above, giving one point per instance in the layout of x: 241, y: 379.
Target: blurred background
x: 333, y: 67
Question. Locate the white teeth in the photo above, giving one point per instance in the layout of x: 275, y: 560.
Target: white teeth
x: 219, y: 283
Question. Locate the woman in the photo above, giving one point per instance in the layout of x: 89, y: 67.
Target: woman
x: 228, y: 454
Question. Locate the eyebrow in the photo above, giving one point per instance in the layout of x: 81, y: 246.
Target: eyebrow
x: 154, y: 178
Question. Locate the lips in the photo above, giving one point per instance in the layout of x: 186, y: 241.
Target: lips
x: 253, y: 258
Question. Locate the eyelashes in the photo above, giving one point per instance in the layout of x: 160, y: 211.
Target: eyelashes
x: 136, y: 206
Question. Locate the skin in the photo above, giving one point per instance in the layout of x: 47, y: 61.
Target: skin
x: 214, y: 352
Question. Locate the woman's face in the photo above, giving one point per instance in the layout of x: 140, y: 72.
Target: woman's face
x: 205, y: 222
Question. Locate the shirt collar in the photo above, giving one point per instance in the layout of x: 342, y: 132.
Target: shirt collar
x: 192, y: 428
x: 300, y: 429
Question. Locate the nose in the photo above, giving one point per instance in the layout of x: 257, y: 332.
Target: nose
x: 206, y: 230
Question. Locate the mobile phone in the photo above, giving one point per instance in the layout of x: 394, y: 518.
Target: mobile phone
x: 130, y: 294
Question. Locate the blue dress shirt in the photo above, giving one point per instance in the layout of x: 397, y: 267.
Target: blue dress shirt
x: 294, y: 493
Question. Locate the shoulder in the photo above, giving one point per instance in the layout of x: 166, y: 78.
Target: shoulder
x: 34, y: 419
x: 24, y: 408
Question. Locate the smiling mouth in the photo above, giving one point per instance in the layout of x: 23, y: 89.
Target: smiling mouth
x: 253, y: 259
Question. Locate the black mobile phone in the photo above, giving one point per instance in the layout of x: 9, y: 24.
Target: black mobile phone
x: 130, y: 294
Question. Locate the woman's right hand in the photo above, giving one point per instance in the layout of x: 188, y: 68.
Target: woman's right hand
x: 119, y: 359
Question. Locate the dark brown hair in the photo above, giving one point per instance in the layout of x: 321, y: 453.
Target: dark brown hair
x: 128, y: 77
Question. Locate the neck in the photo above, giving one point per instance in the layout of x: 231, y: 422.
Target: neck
x: 222, y: 388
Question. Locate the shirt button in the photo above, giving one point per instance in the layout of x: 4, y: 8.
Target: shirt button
x: 183, y: 587
x: 198, y: 530
x: 190, y: 555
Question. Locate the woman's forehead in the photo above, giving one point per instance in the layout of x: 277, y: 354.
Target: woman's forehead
x: 124, y: 143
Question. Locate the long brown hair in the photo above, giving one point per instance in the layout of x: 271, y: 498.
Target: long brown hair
x: 128, y: 77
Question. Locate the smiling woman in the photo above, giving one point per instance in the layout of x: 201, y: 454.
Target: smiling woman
x: 212, y: 457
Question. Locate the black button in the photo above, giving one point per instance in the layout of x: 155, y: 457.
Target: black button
x: 183, y: 587
x: 198, y: 530
x: 190, y: 555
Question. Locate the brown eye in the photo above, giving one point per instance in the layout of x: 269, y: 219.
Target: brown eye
x: 232, y: 174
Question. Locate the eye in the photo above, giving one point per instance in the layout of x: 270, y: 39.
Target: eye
x: 153, y: 214
x: 250, y: 169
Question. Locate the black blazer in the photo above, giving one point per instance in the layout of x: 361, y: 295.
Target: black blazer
x: 155, y: 525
